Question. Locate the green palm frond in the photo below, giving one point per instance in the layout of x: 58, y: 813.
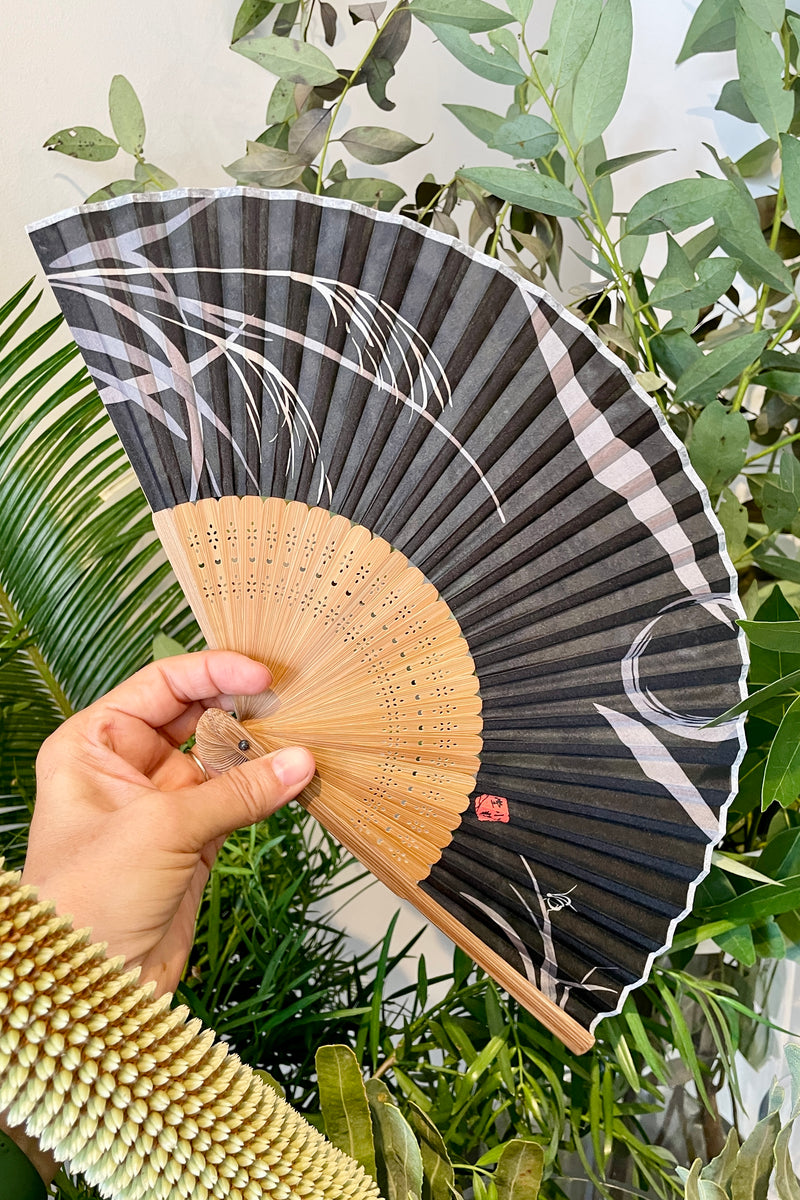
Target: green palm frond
x: 84, y: 585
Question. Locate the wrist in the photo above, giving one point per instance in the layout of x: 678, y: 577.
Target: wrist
x: 25, y: 1169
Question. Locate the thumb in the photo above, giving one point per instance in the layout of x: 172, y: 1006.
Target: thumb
x: 244, y: 795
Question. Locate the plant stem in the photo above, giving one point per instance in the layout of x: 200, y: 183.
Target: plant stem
x: 349, y: 83
x: 607, y: 244
x: 771, y: 449
x: 750, y: 372
x: 385, y: 1066
x: 498, y: 225
x: 424, y: 211
x: 749, y: 549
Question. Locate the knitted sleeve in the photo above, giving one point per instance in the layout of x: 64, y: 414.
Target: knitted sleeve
x: 135, y: 1095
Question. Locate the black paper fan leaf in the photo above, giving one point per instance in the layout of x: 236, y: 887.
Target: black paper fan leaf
x: 534, y: 591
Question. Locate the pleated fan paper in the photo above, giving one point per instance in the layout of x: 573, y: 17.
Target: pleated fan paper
x: 490, y: 588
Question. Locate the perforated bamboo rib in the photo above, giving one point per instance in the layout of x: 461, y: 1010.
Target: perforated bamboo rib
x: 136, y: 1096
x: 370, y: 671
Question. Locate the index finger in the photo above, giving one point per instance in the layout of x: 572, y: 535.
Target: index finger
x: 161, y: 691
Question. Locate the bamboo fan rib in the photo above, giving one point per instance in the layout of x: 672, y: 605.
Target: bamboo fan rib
x: 253, y: 344
x: 369, y: 667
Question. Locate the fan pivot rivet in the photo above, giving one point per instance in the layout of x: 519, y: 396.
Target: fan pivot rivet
x: 244, y: 744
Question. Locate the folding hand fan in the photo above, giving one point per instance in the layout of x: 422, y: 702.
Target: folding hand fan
x: 490, y: 587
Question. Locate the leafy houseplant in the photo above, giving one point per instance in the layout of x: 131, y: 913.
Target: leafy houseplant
x: 711, y: 334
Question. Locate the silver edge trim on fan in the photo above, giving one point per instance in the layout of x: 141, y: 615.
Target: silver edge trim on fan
x: 540, y: 294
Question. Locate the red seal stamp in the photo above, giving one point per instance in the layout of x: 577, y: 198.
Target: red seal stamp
x: 491, y: 808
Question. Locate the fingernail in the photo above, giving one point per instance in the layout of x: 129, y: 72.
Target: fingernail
x: 292, y: 765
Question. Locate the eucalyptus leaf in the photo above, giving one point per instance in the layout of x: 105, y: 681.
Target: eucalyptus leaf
x: 289, y: 58
x: 631, y: 251
x: 732, y: 516
x: 610, y: 166
x: 127, y: 118
x: 780, y: 497
x: 521, y: 9
x: 286, y: 18
x: 758, y: 160
x: 731, y: 100
x: 719, y: 445
x: 740, y: 236
x: 706, y: 377
x: 526, y: 188
x: 790, y: 161
x: 572, y: 30
x: 373, y: 144
x: 601, y: 189
x: 761, y: 74
x: 120, y: 187
x: 398, y: 1155
x: 474, y: 16
x: 394, y: 37
x: 779, y: 565
x: 377, y: 73
x: 714, y: 277
x: 82, y: 141
x: 266, y: 166
x: 600, y: 83
x: 675, y: 351
x: 525, y: 136
x: 768, y: 14
x: 366, y: 12
x: 444, y: 224
x: 480, y: 121
x: 679, y: 205
x: 375, y: 193
x: 152, y: 178
x: 328, y: 16
x: 343, y: 1100
x: 712, y: 29
x: 281, y: 106
x: 519, y: 1171
x: 307, y: 134
x: 499, y: 66
x: 250, y: 14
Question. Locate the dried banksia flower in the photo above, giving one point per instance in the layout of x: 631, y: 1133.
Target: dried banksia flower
x: 135, y: 1095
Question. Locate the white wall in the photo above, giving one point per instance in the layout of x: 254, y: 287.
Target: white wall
x: 202, y: 101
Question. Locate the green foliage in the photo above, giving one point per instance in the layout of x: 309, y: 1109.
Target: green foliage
x: 696, y: 292
x: 746, y: 1171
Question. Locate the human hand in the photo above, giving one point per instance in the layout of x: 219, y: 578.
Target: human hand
x: 124, y: 832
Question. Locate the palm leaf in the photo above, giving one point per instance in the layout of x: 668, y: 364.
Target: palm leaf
x: 84, y: 585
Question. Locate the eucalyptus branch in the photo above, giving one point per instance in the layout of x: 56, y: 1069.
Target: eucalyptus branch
x: 606, y: 241
x: 771, y: 449
x: 348, y: 84
x: 498, y: 225
x: 423, y: 212
x: 750, y: 372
